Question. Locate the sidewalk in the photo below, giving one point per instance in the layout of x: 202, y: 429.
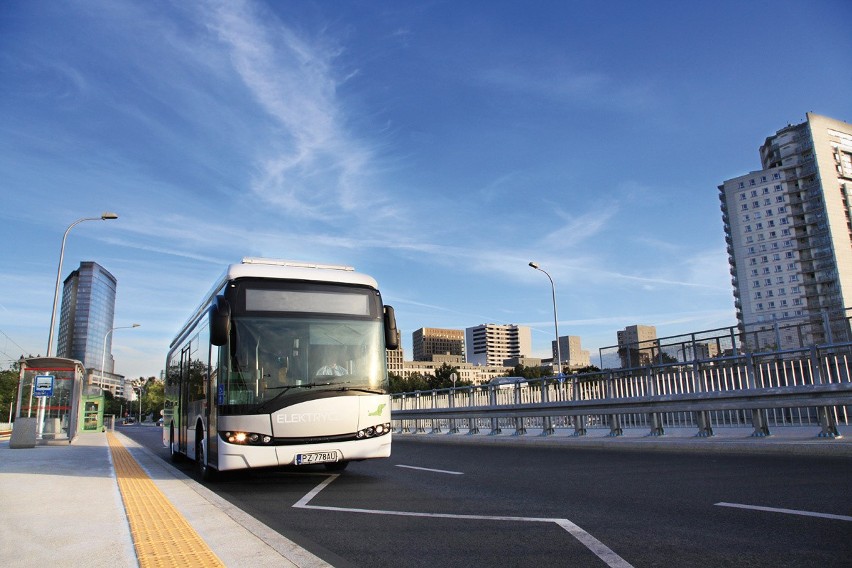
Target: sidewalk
x: 62, y: 506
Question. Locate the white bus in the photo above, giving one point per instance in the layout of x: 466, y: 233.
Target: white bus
x: 283, y: 363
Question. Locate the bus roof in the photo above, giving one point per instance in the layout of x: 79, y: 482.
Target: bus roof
x: 296, y: 270
x: 254, y: 267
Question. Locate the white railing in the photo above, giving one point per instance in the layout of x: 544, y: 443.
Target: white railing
x: 793, y: 388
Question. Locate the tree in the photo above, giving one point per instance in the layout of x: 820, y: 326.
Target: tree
x: 418, y: 382
x: 9, y: 391
x: 152, y: 397
x: 443, y: 377
x: 528, y: 372
x: 113, y: 404
x: 414, y: 382
x: 155, y: 397
x: 396, y: 383
x: 666, y: 358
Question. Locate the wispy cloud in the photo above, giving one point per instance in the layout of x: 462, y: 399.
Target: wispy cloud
x: 576, y: 228
x: 315, y: 168
x: 655, y: 281
x: 567, y: 83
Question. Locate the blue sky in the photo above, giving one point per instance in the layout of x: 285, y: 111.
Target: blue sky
x: 437, y: 146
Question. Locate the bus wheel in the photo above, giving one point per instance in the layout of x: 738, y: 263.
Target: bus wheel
x: 336, y: 466
x: 205, y: 472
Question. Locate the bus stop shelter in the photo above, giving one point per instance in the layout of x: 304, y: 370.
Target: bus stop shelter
x: 52, y: 400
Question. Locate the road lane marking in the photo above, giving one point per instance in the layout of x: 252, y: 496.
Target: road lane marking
x: 303, y: 502
x: 598, y: 548
x: 786, y: 511
x: 431, y: 470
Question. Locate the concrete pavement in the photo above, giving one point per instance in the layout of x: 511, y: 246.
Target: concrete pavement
x: 61, y: 506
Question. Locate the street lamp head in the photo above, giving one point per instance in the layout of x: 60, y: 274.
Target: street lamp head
x: 135, y: 325
x: 534, y: 265
x: 108, y: 215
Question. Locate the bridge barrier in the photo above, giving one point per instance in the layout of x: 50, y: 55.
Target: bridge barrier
x: 800, y: 387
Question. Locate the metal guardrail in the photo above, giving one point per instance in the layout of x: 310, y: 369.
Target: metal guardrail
x: 800, y: 387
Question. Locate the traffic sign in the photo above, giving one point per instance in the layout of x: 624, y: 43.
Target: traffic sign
x: 43, y: 386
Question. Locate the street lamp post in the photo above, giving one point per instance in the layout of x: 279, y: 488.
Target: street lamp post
x: 555, y: 318
x: 103, y: 358
x: 138, y: 387
x: 104, y: 217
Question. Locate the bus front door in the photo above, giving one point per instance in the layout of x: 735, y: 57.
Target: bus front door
x: 183, y: 407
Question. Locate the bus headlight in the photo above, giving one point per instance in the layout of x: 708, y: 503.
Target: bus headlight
x: 247, y: 438
x: 373, y: 431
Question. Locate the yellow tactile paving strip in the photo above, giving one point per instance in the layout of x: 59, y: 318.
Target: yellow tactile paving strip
x: 161, y: 535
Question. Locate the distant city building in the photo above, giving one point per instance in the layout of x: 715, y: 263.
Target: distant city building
x: 491, y: 344
x: 789, y: 232
x: 522, y: 361
x: 428, y: 341
x: 395, y: 358
x: 637, y: 345
x: 706, y: 350
x: 573, y: 355
x: 448, y: 359
x: 86, y: 317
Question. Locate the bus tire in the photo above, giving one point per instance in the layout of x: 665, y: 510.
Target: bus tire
x: 336, y: 466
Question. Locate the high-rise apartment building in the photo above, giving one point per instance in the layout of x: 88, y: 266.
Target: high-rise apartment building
x: 789, y: 232
x: 491, y: 344
x: 429, y: 341
x: 87, y: 315
x: 637, y: 345
x: 573, y: 355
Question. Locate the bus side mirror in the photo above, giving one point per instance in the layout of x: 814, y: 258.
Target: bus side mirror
x: 220, y: 321
x: 391, y: 333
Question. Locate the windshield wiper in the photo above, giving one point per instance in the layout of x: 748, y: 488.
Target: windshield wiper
x: 285, y: 388
x: 356, y: 389
x: 304, y: 386
x: 370, y: 391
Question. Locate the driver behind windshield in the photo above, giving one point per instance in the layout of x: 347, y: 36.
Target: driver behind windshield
x: 330, y: 366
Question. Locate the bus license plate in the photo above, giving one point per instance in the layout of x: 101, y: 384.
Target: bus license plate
x: 316, y: 457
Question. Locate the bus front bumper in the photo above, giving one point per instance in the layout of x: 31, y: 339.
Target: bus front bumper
x: 237, y: 456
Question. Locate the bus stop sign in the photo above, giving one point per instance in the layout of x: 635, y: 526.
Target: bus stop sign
x: 43, y: 386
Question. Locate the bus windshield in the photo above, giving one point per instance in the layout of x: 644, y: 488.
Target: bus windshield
x: 281, y: 357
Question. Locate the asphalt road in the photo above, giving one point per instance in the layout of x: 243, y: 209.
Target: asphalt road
x: 441, y: 504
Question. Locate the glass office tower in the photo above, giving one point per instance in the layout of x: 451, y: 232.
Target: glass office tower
x: 87, y: 315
